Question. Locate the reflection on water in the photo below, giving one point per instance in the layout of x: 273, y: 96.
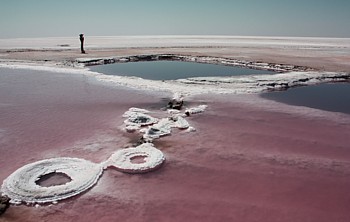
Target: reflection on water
x: 170, y: 70
x: 333, y: 97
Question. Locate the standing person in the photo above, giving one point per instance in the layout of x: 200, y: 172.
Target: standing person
x: 82, y: 43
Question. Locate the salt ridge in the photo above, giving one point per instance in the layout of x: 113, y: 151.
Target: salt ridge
x: 21, y: 185
x: 200, y: 85
x: 161, y: 127
x: 122, y: 159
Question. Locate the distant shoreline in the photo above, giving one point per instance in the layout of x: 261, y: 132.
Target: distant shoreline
x: 325, y: 54
x: 306, y: 61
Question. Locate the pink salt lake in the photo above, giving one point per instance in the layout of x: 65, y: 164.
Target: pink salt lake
x: 247, y: 161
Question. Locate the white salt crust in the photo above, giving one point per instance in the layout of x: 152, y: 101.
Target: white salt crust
x: 195, y: 110
x: 140, y: 119
x: 200, y: 85
x: 163, y: 127
x: 122, y: 159
x: 20, y: 186
x: 180, y: 122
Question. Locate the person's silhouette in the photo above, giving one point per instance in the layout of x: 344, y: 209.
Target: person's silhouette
x: 82, y: 43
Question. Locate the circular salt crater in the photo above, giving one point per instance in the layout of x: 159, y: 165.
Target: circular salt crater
x: 22, y: 185
x: 124, y: 160
x: 140, y: 119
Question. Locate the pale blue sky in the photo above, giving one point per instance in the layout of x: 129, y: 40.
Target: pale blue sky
x: 56, y: 18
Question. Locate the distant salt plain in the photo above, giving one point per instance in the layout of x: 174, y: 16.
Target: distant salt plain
x: 249, y: 159
x: 95, y: 42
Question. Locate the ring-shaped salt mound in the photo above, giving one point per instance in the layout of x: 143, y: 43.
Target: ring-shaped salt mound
x: 21, y: 185
x: 140, y: 119
x: 122, y: 159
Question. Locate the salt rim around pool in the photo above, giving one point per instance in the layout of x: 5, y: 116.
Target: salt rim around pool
x: 21, y: 185
x: 122, y: 159
x: 201, y: 85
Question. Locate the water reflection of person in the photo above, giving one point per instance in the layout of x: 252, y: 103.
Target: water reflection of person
x: 82, y: 43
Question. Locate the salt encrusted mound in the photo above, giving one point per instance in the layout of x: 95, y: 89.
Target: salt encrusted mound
x: 178, y: 97
x: 180, y: 122
x: 176, y: 102
x: 132, y: 128
x: 162, y: 128
x: 198, y: 109
x: 136, y: 118
x: 21, y: 185
x: 173, y: 111
x: 158, y: 128
x: 134, y: 110
x: 140, y: 119
x: 122, y: 159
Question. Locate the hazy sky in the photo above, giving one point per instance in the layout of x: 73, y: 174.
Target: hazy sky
x: 48, y: 18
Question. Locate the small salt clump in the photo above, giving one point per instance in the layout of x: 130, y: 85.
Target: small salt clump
x: 195, y: 110
x: 162, y: 128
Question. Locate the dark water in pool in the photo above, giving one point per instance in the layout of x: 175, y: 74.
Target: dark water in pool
x: 170, y: 70
x: 333, y: 97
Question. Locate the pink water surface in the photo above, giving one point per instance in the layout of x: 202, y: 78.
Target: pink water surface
x: 245, y: 162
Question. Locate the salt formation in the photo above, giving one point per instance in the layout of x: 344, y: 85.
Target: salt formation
x: 158, y: 128
x: 173, y: 111
x: 134, y: 110
x: 176, y: 102
x: 21, y: 185
x: 180, y: 122
x: 137, y: 118
x: 162, y: 128
x: 122, y: 159
x: 195, y: 110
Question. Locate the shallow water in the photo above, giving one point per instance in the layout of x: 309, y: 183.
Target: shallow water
x: 333, y: 97
x: 244, y: 162
x: 171, y: 70
x: 46, y: 114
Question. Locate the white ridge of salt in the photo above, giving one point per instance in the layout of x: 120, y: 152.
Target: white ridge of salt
x: 180, y: 122
x: 140, y: 119
x: 138, y: 110
x: 197, y: 85
x: 136, y: 118
x: 162, y: 128
x: 122, y: 159
x: 191, y: 129
x: 178, y: 97
x: 173, y: 111
x: 195, y: 110
x: 132, y: 128
x: 21, y: 185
